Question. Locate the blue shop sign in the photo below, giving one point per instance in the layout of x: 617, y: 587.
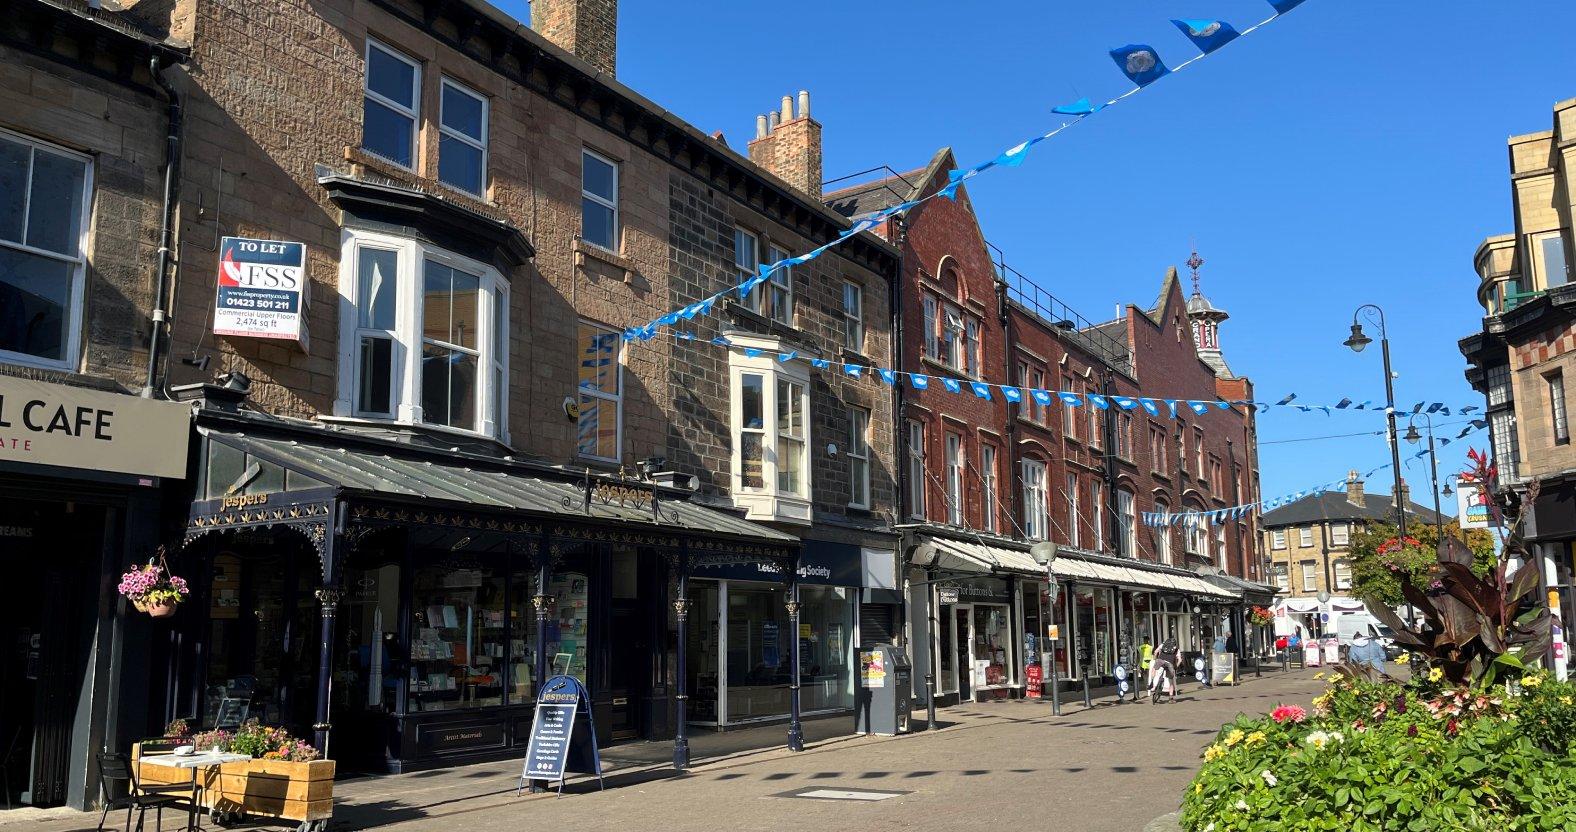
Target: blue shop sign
x: 821, y: 562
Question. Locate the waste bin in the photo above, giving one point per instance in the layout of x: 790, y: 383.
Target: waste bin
x: 885, y: 692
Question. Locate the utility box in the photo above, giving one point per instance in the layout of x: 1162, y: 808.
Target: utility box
x: 885, y: 695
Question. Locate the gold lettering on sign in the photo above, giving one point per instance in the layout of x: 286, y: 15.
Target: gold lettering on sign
x: 622, y: 495
x: 243, y: 500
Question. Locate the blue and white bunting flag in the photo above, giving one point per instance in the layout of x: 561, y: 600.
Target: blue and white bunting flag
x: 888, y: 376
x: 952, y: 385
x: 1284, y: 6
x: 752, y: 352
x: 1099, y: 401
x: 1081, y: 107
x: 980, y: 389
x: 920, y: 382
x: 1012, y: 394
x: 1140, y: 63
x: 1207, y: 35
x: 852, y: 370
x: 1125, y: 402
x: 1070, y: 399
x: 820, y: 363
x: 1198, y: 407
x: 786, y: 357
x: 1171, y: 407
x: 1150, y: 407
x: 1041, y: 397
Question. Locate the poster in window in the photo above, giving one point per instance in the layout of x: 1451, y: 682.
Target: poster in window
x: 770, y: 654
x: 262, y: 289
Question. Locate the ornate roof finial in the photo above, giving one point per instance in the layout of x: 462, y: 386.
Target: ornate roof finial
x: 1193, y: 263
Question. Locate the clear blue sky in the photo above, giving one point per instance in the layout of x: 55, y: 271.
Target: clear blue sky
x: 1351, y: 152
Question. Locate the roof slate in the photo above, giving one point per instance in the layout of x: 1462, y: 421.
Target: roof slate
x: 1333, y: 505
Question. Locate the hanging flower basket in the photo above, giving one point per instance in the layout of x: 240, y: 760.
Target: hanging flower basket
x: 152, y: 589
x: 1261, y: 616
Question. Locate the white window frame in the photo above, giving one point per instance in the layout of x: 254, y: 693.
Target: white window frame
x: 616, y: 398
x: 859, y: 457
x: 1343, y: 573
x: 1340, y: 535
x: 1126, y: 515
x: 1220, y: 545
x: 492, y: 403
x: 914, y: 451
x: 1162, y: 534
x: 971, y: 346
x: 1278, y: 539
x: 1073, y: 526
x: 1535, y: 244
x: 778, y: 289
x: 951, y: 336
x: 618, y: 225
x: 445, y: 130
x: 853, y: 316
x: 1559, y: 426
x: 932, y: 328
x: 413, y: 112
x: 1310, y: 577
x: 1036, y: 506
x: 71, y: 354
x: 1282, y: 576
x: 1305, y: 536
x: 1195, y: 540
x: 1198, y: 452
x: 769, y: 502
x: 954, y: 478
x: 988, y: 485
x: 1097, y: 510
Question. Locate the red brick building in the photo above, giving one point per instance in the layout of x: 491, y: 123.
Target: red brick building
x: 982, y: 479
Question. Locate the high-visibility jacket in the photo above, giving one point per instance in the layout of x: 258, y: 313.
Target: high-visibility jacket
x: 1146, y: 654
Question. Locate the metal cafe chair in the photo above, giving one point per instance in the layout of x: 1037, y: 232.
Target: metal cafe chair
x: 117, y: 768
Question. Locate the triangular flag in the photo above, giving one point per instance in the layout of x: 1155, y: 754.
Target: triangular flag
x: 1207, y: 35
x: 1041, y: 397
x: 1081, y: 107
x: 1099, y: 401
x: 1070, y: 399
x: 1012, y: 394
x: 952, y: 385
x: 980, y: 389
x: 888, y: 376
x: 1141, y: 64
x: 920, y: 382
x: 852, y: 370
x: 820, y: 363
x: 786, y: 357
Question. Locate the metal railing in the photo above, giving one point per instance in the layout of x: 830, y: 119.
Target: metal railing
x: 1069, y: 325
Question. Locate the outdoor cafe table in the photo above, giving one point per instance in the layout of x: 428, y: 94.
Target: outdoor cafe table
x: 194, y: 762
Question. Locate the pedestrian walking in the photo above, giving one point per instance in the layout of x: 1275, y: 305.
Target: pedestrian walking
x: 1368, y: 651
x: 1163, y: 675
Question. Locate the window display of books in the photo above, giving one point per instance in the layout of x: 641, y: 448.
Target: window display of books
x: 457, y: 650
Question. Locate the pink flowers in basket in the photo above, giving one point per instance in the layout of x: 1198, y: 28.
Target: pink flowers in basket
x: 152, y: 589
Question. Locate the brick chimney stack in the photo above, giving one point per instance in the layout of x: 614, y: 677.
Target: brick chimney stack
x: 1406, y: 496
x: 788, y: 145
x: 1354, y: 489
x: 587, y: 28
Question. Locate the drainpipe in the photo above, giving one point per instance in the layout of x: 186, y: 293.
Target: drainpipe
x: 1010, y: 423
x: 172, y: 163
x: 899, y: 424
x: 1113, y: 521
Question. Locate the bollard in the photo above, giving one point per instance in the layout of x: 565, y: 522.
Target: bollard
x: 930, y: 702
x: 1087, y: 702
x: 1285, y: 661
x: 1258, y: 666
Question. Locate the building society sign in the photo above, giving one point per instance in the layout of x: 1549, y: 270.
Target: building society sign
x: 73, y: 427
x: 262, y: 289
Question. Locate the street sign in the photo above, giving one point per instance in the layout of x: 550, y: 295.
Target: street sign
x: 555, y: 747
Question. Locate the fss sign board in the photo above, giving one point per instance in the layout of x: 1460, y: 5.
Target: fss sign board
x: 262, y: 289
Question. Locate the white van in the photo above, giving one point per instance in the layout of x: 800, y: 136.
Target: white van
x: 1349, y: 624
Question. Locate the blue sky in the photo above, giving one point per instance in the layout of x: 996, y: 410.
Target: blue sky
x: 1351, y: 152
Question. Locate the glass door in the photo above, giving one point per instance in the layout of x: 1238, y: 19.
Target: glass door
x: 963, y: 639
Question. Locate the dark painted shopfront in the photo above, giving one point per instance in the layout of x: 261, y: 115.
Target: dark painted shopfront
x: 445, y: 586
x: 82, y: 473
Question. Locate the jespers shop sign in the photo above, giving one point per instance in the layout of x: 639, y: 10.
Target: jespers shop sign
x: 73, y: 427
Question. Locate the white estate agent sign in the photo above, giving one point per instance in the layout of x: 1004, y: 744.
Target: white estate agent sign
x: 262, y: 289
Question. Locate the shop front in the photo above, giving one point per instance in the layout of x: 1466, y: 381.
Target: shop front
x: 446, y: 588
x: 82, y: 476
x: 742, y: 635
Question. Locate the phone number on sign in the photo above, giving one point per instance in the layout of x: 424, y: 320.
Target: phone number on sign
x: 264, y: 304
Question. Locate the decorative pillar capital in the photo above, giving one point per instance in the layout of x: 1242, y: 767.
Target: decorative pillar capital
x: 543, y: 605
x: 681, y: 608
x: 328, y: 596
x: 793, y: 609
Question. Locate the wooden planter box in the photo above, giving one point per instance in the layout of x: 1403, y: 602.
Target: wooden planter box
x: 280, y: 789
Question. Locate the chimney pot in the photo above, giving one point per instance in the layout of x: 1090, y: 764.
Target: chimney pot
x: 787, y: 108
x: 804, y: 103
x: 760, y: 126
x: 771, y: 122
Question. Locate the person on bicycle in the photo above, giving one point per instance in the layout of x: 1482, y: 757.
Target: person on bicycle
x: 1163, y: 671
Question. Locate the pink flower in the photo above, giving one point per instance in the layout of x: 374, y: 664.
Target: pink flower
x: 1289, y: 713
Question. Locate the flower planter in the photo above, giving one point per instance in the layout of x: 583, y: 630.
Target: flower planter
x: 161, y: 609
x: 278, y: 789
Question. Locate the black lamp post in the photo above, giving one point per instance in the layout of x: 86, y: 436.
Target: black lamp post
x: 1433, y: 476
x: 1357, y: 341
x: 1045, y: 553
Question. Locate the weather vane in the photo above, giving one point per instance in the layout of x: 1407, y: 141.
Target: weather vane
x: 1193, y: 263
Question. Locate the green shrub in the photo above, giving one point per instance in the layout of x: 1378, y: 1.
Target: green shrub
x: 1382, y: 756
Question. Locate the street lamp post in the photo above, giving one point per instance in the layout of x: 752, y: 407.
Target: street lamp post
x: 1433, y: 476
x: 1044, y: 552
x: 1357, y: 341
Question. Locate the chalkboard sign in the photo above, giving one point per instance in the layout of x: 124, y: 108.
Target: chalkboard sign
x: 563, y: 738
x: 232, y: 712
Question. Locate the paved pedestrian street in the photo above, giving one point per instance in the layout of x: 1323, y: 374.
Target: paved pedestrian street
x: 996, y: 765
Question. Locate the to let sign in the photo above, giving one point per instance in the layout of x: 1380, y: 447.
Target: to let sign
x: 262, y: 289
x: 74, y: 427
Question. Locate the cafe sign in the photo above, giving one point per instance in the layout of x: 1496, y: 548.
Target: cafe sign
x: 74, y: 427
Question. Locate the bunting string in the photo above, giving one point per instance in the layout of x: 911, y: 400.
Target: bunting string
x: 1141, y: 64
x: 1214, y: 517
x: 1156, y: 407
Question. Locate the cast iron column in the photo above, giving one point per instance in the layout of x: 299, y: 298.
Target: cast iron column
x: 328, y: 596
x: 795, y: 731
x: 681, y: 755
x: 543, y: 604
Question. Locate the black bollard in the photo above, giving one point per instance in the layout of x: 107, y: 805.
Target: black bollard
x: 930, y: 702
x: 1087, y: 702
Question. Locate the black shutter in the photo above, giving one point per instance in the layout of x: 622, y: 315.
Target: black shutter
x: 877, y: 623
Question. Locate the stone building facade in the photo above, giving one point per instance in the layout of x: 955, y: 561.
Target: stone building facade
x: 1526, y: 349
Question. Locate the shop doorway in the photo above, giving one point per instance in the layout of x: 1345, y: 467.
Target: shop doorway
x: 963, y: 639
x: 50, y: 548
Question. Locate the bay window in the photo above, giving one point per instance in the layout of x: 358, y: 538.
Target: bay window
x: 1036, y: 517
x: 423, y: 336
x: 44, y: 205
x: 771, y: 404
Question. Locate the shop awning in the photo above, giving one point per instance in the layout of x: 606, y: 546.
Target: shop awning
x: 1248, y: 591
x: 389, y: 472
x: 984, y: 558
